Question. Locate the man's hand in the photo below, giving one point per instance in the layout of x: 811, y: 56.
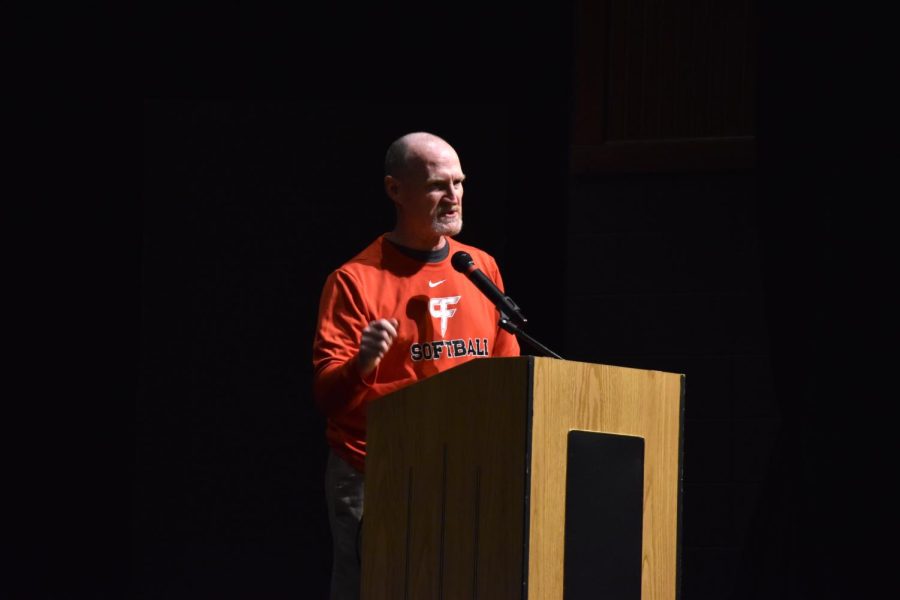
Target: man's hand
x: 377, y: 338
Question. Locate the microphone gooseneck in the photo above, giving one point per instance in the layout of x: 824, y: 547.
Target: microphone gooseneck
x: 463, y: 263
x: 511, y: 317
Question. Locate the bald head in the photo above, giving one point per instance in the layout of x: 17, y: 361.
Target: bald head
x: 411, y: 152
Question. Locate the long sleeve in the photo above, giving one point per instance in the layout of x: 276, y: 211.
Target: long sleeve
x: 342, y: 317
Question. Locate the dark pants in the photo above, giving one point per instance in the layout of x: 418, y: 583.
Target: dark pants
x: 344, y: 493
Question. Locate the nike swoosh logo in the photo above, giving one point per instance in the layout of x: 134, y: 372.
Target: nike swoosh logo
x: 436, y: 283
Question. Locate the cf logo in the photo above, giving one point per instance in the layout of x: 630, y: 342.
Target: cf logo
x: 438, y: 309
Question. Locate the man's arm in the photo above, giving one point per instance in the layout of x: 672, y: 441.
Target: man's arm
x: 348, y: 346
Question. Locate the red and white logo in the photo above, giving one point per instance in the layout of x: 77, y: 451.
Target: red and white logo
x: 439, y: 309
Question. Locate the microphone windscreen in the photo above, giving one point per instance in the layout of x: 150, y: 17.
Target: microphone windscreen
x: 462, y: 262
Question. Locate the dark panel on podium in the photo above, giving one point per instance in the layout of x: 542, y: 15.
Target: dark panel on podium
x: 604, y: 502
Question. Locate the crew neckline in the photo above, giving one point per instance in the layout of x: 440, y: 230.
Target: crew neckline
x: 424, y: 256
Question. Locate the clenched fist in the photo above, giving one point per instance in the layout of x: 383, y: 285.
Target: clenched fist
x: 376, y: 339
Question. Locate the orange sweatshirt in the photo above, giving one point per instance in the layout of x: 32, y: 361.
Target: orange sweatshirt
x: 444, y: 321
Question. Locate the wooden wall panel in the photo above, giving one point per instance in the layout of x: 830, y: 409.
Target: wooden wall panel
x: 663, y: 86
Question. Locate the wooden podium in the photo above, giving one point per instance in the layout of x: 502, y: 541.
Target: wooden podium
x: 524, y: 478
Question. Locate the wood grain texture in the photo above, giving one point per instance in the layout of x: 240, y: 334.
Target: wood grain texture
x: 466, y: 477
x: 445, y: 483
x: 571, y: 395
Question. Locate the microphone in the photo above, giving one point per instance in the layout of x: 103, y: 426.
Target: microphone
x: 463, y: 263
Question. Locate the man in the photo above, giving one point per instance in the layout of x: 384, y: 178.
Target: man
x: 394, y: 314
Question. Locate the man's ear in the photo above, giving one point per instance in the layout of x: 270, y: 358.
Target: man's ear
x: 392, y: 187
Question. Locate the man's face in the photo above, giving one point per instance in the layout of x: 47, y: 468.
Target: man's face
x: 430, y: 196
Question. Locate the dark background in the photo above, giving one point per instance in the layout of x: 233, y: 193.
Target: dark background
x: 765, y: 280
